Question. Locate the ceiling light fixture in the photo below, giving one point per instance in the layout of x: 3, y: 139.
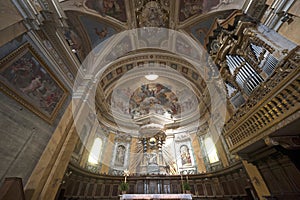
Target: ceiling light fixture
x: 151, y: 77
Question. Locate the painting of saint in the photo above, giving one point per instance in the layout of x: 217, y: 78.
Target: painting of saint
x: 120, y: 156
x: 185, y: 156
x: 28, y: 80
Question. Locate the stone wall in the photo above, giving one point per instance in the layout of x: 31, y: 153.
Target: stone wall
x: 24, y: 136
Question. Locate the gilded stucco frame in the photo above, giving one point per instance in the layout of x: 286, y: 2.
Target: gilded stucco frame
x: 25, y: 64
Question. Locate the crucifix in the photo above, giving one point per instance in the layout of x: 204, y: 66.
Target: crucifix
x: 126, y: 173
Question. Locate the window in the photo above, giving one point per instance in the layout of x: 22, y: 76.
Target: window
x: 211, y: 150
x: 95, y: 151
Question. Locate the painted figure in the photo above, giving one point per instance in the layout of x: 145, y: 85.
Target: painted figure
x: 120, y: 156
x: 185, y: 156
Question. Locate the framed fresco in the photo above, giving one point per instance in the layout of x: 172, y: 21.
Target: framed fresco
x: 26, y: 78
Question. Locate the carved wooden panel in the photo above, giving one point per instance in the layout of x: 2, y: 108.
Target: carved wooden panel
x: 83, y: 188
x: 90, y: 189
x: 106, y: 190
x: 76, y: 188
x: 211, y: 185
x: 209, y: 191
x: 98, y: 190
x: 281, y: 176
x: 200, y: 189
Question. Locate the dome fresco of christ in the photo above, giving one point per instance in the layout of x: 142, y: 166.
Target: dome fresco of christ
x: 155, y: 98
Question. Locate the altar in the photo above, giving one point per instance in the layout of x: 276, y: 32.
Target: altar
x: 156, y: 196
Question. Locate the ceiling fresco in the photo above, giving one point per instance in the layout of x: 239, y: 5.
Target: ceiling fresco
x: 194, y: 8
x: 189, y: 8
x: 153, y: 98
x: 96, y: 30
x: 93, y: 21
x: 170, y: 100
x: 112, y: 8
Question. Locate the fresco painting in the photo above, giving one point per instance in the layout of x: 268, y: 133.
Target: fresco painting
x: 27, y: 79
x: 112, y: 8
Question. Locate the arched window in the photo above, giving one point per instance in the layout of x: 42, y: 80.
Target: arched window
x: 211, y: 150
x: 95, y: 151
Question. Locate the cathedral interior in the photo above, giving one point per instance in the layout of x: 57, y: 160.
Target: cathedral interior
x: 194, y: 98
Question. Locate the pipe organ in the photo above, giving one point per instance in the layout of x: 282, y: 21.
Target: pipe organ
x: 246, y: 56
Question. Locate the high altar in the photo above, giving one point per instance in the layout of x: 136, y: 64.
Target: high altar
x: 156, y: 196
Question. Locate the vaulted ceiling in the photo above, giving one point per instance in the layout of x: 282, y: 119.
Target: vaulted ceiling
x: 93, y: 21
x: 179, y: 95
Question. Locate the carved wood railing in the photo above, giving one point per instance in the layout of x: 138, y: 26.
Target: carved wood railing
x: 270, y: 107
x: 229, y: 182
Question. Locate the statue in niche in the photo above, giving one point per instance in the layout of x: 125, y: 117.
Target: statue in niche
x: 120, y: 156
x: 185, y: 156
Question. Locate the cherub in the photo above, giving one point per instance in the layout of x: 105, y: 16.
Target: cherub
x: 102, y: 34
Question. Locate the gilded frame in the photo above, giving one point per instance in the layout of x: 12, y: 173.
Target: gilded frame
x: 25, y: 77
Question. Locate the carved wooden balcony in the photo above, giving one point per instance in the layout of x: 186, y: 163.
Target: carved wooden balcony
x: 270, y: 107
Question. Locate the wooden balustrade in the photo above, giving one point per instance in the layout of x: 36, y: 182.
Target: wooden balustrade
x: 275, y: 101
x: 231, y: 182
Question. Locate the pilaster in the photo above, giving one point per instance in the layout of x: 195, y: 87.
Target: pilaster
x: 108, y: 153
x: 133, y: 146
x: 257, y: 180
x: 43, y: 168
x: 198, y: 154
